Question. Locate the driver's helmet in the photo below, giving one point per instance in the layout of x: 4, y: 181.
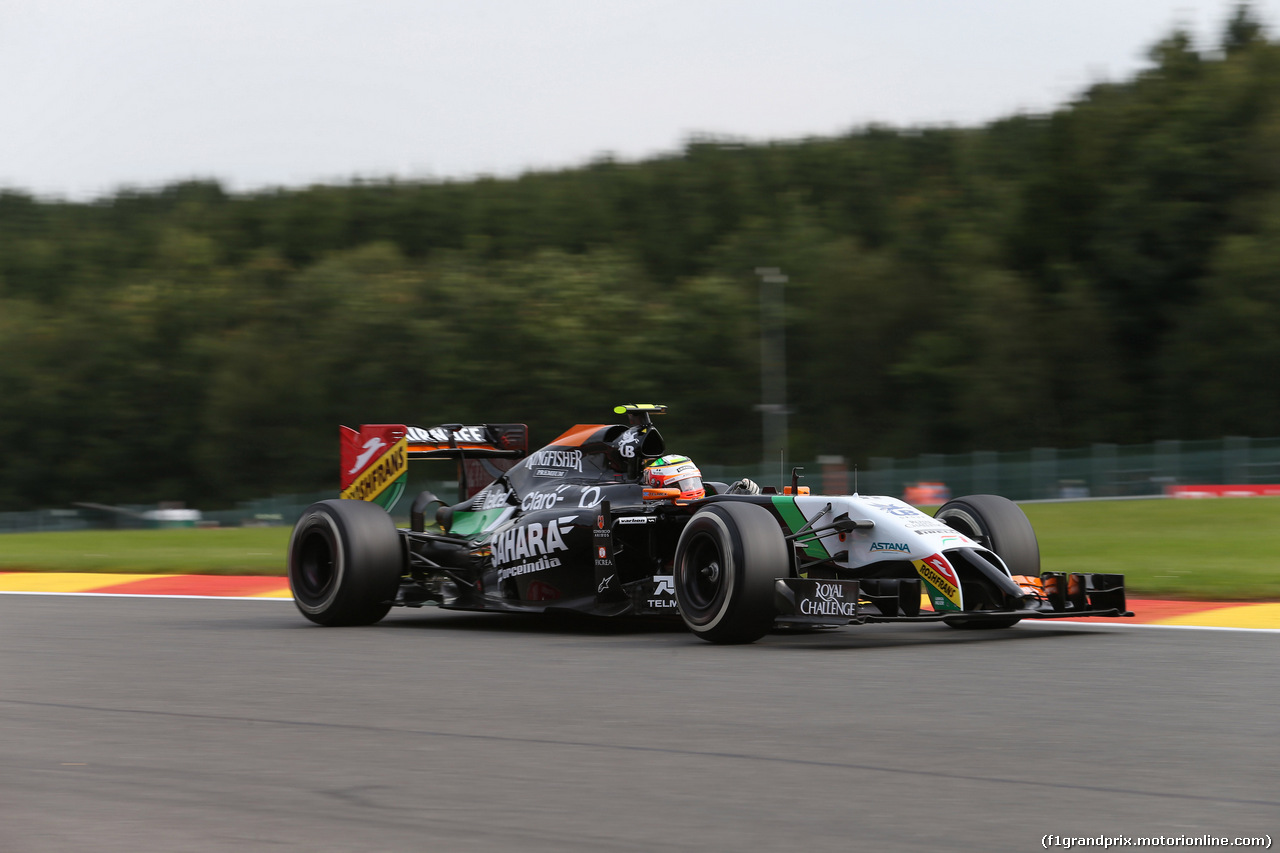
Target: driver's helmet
x: 675, y: 472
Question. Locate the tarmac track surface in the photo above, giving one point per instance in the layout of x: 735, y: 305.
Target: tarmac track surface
x: 132, y: 724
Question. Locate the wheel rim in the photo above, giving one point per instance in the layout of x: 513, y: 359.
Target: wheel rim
x: 703, y: 575
x: 317, y: 567
x: 965, y: 523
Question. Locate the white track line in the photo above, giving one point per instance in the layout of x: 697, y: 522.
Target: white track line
x: 1063, y: 623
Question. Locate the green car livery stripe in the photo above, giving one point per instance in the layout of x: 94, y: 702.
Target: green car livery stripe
x: 391, y: 494
x: 471, y: 524
x: 785, y: 506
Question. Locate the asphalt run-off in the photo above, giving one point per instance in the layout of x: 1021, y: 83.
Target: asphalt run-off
x: 173, y: 721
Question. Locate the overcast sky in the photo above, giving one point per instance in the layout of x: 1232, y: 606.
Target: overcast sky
x: 96, y: 94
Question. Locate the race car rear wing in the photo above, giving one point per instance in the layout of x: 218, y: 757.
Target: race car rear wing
x: 456, y: 441
x: 375, y: 458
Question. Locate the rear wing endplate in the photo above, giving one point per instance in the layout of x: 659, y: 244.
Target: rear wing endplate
x: 375, y: 458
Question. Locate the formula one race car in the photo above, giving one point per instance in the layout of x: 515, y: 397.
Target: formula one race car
x: 602, y: 522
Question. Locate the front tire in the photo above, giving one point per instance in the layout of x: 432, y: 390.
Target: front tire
x: 1000, y: 525
x: 726, y: 561
x: 345, y: 562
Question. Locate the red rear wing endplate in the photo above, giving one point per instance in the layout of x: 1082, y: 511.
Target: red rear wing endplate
x: 375, y: 459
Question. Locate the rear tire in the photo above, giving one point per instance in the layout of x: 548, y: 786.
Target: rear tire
x: 726, y: 561
x: 999, y: 525
x: 345, y: 562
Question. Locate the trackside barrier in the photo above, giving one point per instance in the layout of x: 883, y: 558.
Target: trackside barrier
x: 1266, y: 490
x: 1043, y: 473
x: 1099, y: 471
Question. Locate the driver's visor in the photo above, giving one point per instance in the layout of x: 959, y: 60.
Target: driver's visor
x: 691, y: 488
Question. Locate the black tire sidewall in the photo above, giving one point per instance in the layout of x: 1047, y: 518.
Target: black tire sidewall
x: 706, y: 525
x: 315, y: 521
x: 752, y: 553
x: 367, y: 562
x: 1008, y: 533
x: 1003, y: 524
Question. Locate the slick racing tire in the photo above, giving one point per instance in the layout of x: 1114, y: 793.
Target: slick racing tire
x: 345, y: 562
x: 999, y: 524
x: 726, y: 561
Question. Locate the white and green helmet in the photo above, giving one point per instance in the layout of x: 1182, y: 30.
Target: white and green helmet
x: 675, y: 472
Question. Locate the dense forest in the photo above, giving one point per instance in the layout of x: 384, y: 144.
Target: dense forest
x: 1107, y: 272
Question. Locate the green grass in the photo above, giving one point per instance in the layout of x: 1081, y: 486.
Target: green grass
x: 219, y: 551
x: 1222, y: 548
x: 1225, y: 549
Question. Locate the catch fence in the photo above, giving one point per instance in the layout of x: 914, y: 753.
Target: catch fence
x: 1045, y: 473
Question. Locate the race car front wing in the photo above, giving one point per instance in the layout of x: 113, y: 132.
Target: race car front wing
x: 1060, y: 595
